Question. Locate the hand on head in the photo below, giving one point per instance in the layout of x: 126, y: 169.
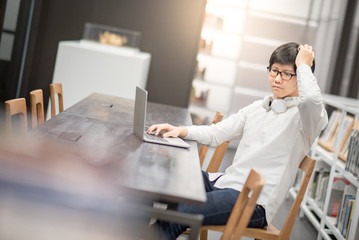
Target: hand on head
x: 167, y: 130
x: 305, y: 55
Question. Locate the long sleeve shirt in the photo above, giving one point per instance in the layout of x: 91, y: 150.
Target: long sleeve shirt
x: 273, y: 143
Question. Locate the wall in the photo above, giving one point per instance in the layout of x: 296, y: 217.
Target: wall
x: 170, y: 32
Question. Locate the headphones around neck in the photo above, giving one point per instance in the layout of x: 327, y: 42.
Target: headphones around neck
x: 278, y: 105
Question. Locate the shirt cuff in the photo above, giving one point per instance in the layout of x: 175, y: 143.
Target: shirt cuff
x: 304, y: 67
x: 190, y: 134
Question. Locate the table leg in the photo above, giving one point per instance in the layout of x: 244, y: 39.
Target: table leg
x: 193, y: 220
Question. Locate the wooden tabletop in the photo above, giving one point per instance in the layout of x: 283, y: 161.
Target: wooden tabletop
x: 101, y: 126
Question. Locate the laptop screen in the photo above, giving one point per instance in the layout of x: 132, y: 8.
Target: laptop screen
x: 139, y: 116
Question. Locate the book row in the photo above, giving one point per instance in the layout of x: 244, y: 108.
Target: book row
x: 342, y: 198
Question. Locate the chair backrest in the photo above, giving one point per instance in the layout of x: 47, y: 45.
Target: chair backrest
x: 307, y: 166
x: 217, y: 157
x: 14, y: 107
x: 244, y: 206
x: 219, y: 152
x: 56, y: 88
x: 37, y: 107
x: 203, y: 150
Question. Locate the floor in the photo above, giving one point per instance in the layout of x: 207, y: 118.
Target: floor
x: 302, y: 228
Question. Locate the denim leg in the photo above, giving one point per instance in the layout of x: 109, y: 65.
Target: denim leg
x: 258, y: 219
x: 208, y: 185
x: 216, y: 210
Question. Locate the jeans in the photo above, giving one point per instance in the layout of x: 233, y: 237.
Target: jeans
x: 216, y: 210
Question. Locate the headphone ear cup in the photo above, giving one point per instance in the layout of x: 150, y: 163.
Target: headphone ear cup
x: 279, y: 106
x: 267, y: 103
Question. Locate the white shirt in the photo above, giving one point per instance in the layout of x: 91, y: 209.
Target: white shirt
x: 272, y: 143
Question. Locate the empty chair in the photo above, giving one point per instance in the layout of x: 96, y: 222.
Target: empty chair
x: 203, y: 150
x: 219, y: 152
x: 37, y: 107
x: 56, y: 88
x: 217, y: 157
x: 16, y: 107
x: 242, y: 210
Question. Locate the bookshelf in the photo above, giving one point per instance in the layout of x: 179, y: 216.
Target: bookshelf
x: 237, y: 39
x: 331, y: 213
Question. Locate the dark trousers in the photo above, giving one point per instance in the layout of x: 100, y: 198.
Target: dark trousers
x: 216, y: 210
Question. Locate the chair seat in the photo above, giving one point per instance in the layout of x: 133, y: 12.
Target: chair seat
x: 217, y: 228
x: 270, y: 233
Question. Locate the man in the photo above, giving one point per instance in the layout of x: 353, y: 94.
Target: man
x: 275, y: 134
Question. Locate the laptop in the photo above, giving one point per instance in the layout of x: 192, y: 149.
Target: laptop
x: 139, y: 120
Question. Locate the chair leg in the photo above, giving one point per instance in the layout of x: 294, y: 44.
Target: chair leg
x: 203, y: 235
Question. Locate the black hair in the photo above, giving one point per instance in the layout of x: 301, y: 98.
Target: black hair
x: 286, y: 54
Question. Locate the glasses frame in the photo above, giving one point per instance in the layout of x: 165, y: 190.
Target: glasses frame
x: 280, y: 73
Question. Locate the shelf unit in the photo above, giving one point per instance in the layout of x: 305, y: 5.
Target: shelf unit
x: 237, y: 39
x: 326, y: 225
x: 235, y: 57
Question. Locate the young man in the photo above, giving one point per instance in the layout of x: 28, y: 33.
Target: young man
x: 276, y: 133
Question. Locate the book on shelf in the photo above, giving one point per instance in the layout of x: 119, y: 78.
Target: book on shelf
x: 348, y: 214
x: 352, y: 163
x: 343, y: 216
x: 336, y: 195
x: 343, y: 154
x: 313, y: 185
x: 336, y: 132
x: 327, y: 137
x: 320, y: 198
x: 319, y: 185
x: 341, y: 136
x: 316, y: 180
x: 350, y: 220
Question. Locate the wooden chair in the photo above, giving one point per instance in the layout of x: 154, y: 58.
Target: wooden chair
x: 56, y: 88
x: 16, y: 107
x: 219, y: 152
x: 217, y: 156
x: 37, y: 107
x: 307, y: 165
x: 242, y: 210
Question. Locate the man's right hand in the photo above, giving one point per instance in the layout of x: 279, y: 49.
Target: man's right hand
x: 305, y: 55
x: 167, y: 130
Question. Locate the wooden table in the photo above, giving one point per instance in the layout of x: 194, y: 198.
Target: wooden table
x: 101, y: 126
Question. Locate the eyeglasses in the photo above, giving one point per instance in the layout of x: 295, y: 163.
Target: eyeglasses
x: 284, y: 75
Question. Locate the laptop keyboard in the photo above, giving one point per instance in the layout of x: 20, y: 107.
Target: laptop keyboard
x: 157, y: 138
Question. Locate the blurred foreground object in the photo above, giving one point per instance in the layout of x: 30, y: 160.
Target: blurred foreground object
x: 49, y: 193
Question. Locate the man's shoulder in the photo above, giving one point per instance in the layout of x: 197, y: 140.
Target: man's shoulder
x: 256, y: 103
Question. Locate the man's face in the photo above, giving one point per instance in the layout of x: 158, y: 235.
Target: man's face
x: 280, y: 84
